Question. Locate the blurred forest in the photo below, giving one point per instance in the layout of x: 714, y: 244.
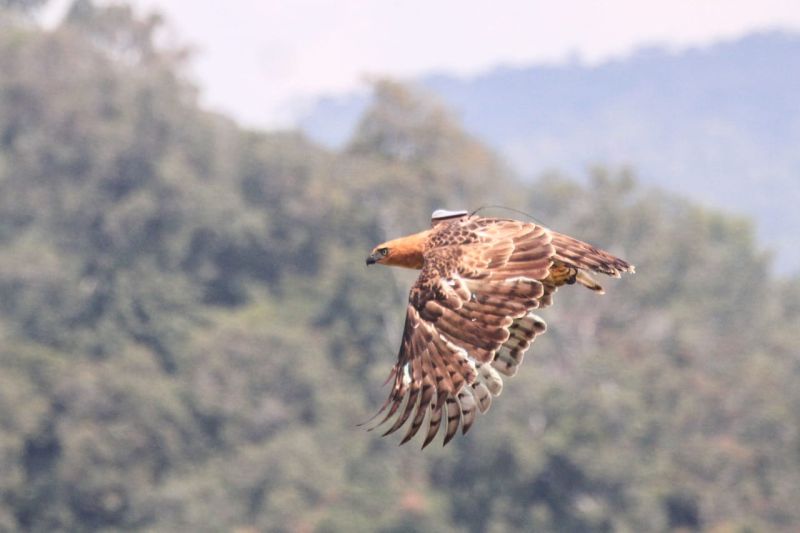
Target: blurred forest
x: 190, y: 336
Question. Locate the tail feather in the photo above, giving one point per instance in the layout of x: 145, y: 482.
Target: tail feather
x: 588, y: 281
x: 585, y: 256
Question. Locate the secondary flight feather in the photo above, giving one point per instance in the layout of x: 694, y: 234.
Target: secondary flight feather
x: 469, y: 317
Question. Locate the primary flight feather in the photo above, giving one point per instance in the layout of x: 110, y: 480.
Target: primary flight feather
x: 469, y: 318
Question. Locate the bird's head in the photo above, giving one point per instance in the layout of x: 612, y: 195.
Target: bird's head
x: 403, y: 252
x: 379, y: 254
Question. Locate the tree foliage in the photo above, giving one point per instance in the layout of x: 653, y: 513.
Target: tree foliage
x: 189, y: 337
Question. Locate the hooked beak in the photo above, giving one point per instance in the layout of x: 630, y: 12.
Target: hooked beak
x: 372, y: 259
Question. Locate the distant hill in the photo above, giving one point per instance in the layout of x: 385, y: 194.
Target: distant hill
x: 721, y: 124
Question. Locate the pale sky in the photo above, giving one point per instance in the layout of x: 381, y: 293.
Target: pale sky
x: 262, y: 61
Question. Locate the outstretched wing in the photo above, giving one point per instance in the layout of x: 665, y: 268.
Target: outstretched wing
x: 461, y: 311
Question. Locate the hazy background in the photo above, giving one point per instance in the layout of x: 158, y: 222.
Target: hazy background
x: 698, y: 97
x: 188, y: 334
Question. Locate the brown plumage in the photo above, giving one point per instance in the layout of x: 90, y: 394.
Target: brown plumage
x: 469, y: 316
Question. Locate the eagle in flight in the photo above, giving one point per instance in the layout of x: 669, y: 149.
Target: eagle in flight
x: 469, y: 317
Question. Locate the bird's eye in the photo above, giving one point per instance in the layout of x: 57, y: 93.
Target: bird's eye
x: 383, y: 251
